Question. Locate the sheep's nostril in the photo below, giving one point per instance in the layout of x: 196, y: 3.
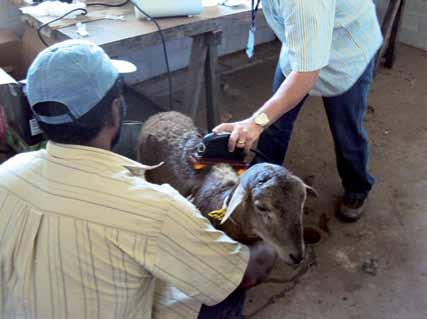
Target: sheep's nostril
x: 296, y: 259
x: 312, y: 235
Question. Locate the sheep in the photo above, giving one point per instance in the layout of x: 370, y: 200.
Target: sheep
x: 266, y: 202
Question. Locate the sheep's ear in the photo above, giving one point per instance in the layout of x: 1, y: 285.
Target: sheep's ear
x: 238, y: 197
x: 311, y: 191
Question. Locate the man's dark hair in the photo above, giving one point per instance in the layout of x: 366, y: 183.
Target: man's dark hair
x: 84, y: 129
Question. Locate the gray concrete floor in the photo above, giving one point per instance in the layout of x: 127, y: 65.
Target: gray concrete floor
x: 376, y: 268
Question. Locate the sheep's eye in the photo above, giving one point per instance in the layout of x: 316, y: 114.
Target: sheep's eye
x: 262, y: 182
x: 261, y: 207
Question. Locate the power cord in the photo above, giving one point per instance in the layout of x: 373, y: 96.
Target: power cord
x: 111, y: 5
x: 261, y: 154
x: 165, y: 52
x: 149, y: 17
x: 84, y: 12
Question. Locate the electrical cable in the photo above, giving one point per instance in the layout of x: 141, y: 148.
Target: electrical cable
x: 111, y: 5
x: 84, y: 12
x: 261, y: 154
x: 149, y: 17
x: 165, y: 52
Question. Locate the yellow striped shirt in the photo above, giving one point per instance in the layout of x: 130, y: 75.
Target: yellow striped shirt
x: 337, y: 37
x: 83, y: 235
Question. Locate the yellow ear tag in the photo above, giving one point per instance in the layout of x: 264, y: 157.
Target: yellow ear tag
x: 218, y: 214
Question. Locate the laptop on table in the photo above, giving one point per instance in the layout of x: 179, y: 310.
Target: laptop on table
x: 169, y: 8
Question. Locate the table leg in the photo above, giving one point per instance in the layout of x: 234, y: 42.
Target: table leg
x: 387, y: 27
x: 211, y: 79
x: 390, y: 52
x: 195, y: 76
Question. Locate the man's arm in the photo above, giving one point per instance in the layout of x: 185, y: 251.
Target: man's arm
x: 291, y: 92
x: 199, y: 260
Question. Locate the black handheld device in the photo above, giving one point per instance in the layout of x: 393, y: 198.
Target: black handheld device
x: 215, y: 147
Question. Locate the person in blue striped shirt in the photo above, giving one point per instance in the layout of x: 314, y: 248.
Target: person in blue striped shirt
x: 328, y: 50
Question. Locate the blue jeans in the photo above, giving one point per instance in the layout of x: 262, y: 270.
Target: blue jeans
x: 345, y: 114
x: 229, y: 308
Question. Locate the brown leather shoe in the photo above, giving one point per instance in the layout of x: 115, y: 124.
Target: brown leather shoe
x: 351, y: 209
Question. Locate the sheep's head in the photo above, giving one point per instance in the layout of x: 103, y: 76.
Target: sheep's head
x: 273, y: 199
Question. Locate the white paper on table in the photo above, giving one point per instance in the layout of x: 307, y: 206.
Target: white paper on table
x: 54, y: 9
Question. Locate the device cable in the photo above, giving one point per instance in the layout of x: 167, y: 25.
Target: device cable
x: 111, y: 5
x: 149, y: 17
x: 84, y: 12
x: 261, y: 154
x: 165, y: 52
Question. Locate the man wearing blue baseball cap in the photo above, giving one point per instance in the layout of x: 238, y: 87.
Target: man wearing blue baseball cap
x: 83, y: 234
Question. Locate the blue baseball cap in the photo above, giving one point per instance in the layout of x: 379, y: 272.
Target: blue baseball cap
x: 75, y: 73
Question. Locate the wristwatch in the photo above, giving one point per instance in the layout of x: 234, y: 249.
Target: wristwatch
x: 262, y: 119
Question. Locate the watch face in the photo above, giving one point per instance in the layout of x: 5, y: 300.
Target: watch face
x: 262, y: 119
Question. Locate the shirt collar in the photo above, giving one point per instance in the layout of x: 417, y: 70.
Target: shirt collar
x: 108, y: 158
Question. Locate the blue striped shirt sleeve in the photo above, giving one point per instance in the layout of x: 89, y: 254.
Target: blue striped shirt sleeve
x: 308, y: 28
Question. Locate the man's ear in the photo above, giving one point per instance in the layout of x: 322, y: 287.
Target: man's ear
x: 116, y: 112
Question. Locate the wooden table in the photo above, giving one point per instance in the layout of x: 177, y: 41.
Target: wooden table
x: 119, y: 37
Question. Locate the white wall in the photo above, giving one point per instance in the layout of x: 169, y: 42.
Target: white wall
x: 414, y: 26
x: 10, y: 17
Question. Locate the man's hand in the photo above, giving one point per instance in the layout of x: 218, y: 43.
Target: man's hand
x: 243, y: 133
x: 261, y: 261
